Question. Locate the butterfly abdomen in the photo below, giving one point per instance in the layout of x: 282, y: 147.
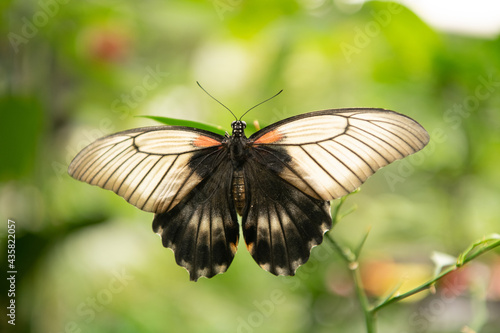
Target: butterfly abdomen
x: 238, y: 191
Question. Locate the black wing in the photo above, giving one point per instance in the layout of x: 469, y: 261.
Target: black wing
x: 281, y: 224
x: 202, y: 229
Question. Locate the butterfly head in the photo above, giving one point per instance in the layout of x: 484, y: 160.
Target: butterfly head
x: 238, y: 127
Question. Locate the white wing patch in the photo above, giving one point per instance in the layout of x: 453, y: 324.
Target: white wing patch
x: 148, y: 167
x: 334, y: 151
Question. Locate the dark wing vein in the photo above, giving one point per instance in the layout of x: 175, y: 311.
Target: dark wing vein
x: 355, y: 153
x: 330, y: 153
x: 379, y: 138
x: 341, y: 162
x: 284, y: 164
x: 149, y: 167
x: 323, y: 168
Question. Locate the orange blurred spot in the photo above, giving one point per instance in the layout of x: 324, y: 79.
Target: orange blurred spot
x: 256, y: 124
x: 382, y: 277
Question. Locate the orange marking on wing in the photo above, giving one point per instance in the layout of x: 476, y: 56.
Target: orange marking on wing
x: 250, y: 247
x: 270, y: 137
x: 233, y: 247
x: 205, y: 141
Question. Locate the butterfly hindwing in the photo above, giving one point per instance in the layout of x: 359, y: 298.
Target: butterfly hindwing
x: 280, y: 223
x: 330, y: 153
x: 203, y: 229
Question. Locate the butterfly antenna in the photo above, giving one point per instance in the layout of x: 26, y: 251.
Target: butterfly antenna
x: 215, y: 99
x: 253, y: 107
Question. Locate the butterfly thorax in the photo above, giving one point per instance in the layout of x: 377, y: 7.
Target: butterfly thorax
x: 238, y: 144
x: 238, y: 127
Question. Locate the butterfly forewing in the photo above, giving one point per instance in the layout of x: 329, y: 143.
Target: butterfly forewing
x: 149, y: 167
x: 333, y: 152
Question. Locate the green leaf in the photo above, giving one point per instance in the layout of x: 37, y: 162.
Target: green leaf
x: 187, y: 123
x: 477, y: 248
x: 336, y: 216
x: 357, y: 250
x: 21, y: 126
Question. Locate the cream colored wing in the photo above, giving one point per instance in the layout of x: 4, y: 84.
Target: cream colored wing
x: 328, y: 154
x: 153, y: 168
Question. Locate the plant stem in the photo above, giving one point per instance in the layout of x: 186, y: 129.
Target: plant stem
x: 369, y: 311
x: 352, y: 263
x: 363, y: 300
x: 466, y: 258
x: 351, y: 258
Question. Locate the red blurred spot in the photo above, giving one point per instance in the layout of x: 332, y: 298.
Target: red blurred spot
x: 455, y: 283
x: 494, y: 287
x: 109, y: 47
x: 106, y: 43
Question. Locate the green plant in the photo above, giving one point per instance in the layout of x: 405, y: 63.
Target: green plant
x: 351, y: 258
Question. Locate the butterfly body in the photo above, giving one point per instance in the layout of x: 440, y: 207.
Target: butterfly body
x: 280, y: 180
x: 238, y: 187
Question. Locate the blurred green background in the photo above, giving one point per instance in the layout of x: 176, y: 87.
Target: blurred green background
x: 73, y: 71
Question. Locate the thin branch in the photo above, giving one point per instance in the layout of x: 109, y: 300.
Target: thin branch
x: 351, y: 259
x: 352, y: 263
x: 464, y: 258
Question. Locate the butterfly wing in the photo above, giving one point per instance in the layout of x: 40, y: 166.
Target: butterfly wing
x: 281, y: 224
x: 330, y: 153
x: 203, y: 229
x: 152, y: 168
x: 181, y: 174
x: 301, y: 163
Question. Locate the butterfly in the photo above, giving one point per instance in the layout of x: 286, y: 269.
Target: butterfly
x: 280, y: 180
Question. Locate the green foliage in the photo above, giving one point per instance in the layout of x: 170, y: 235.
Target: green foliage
x: 186, y: 123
